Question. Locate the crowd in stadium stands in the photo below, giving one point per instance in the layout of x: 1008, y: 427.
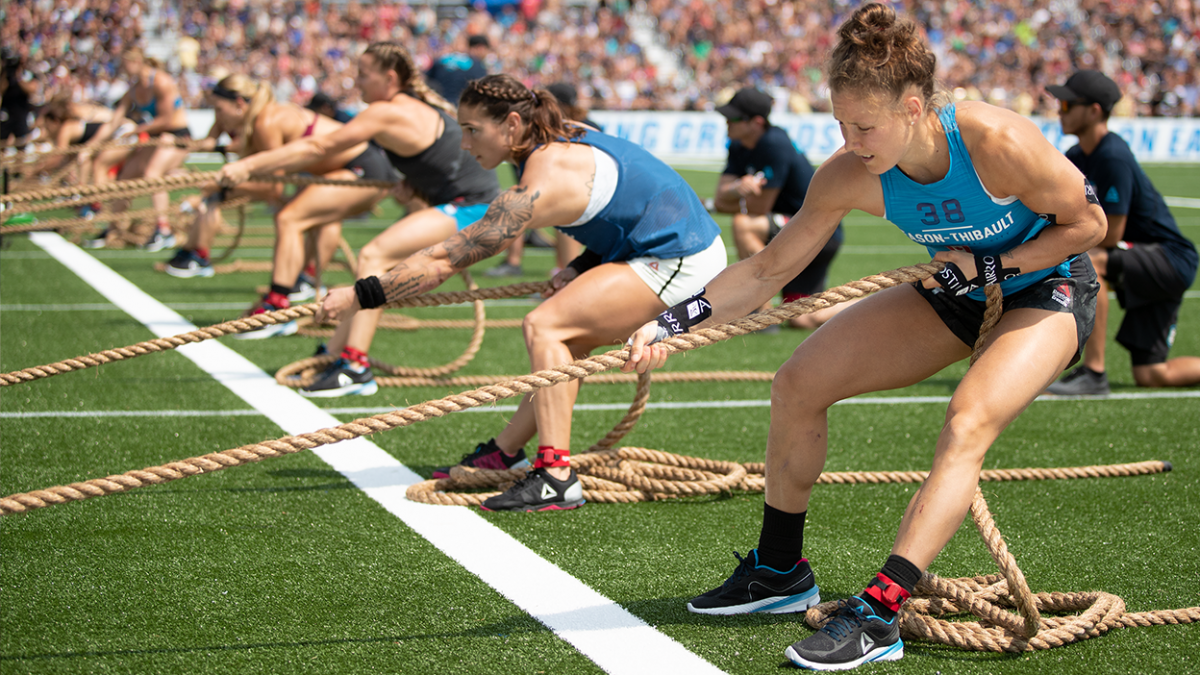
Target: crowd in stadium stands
x: 73, y: 45
x: 1002, y: 51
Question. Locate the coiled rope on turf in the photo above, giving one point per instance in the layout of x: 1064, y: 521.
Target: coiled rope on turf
x: 302, y: 373
x: 987, y: 598
x: 638, y: 473
x: 517, y: 386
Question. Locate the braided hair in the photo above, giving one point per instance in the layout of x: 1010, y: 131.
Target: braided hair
x: 498, y: 95
x: 393, y: 56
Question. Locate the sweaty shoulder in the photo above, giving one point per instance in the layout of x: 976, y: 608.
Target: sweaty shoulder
x: 1006, y: 148
x: 843, y: 183
x: 559, y: 162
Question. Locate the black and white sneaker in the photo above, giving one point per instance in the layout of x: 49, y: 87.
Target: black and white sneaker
x: 342, y: 378
x: 538, y: 491
x: 188, y: 264
x: 487, y: 456
x: 1082, y: 381
x: 305, y: 289
x: 99, y: 241
x: 755, y: 588
x: 158, y: 241
x: 854, y: 635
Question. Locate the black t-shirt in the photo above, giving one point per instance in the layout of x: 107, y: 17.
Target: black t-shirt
x: 785, y: 168
x: 1125, y: 190
x: 450, y: 74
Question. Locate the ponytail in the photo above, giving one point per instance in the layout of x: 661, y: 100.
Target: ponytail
x: 498, y: 95
x: 258, y: 96
x: 392, y: 56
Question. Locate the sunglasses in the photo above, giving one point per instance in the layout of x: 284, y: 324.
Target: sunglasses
x: 1065, y: 106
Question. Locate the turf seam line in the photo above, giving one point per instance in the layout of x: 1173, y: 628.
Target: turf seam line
x: 589, y: 407
x: 597, y: 627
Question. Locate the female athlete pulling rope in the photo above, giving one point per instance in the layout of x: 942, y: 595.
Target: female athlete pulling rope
x: 445, y: 188
x: 248, y: 112
x: 650, y: 243
x: 985, y: 192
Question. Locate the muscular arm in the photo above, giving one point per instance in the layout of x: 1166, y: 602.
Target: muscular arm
x: 1116, y: 230
x: 836, y: 188
x: 1015, y: 159
x: 505, y: 220
x: 303, y: 151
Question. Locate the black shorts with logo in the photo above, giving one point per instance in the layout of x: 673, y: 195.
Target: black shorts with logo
x: 1075, y: 294
x: 1151, y: 291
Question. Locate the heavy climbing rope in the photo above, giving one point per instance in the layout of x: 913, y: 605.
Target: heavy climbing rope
x: 639, y: 473
x: 139, y: 186
x: 246, y: 324
x: 988, y: 598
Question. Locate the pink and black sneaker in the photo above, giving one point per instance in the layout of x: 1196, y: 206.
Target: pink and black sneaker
x: 488, y: 456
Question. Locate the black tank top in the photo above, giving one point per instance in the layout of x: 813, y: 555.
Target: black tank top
x: 444, y: 173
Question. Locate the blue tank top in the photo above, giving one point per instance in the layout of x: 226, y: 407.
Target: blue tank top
x: 149, y: 111
x: 957, y: 213
x: 653, y: 212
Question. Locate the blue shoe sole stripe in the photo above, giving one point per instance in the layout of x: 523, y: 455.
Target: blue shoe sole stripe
x: 790, y: 600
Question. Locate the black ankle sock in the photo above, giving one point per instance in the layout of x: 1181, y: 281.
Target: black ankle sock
x: 901, y: 572
x: 781, y: 542
x: 282, y: 290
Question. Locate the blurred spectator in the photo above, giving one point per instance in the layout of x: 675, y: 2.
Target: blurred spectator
x: 450, y: 74
x: 325, y: 104
x: 1004, y: 52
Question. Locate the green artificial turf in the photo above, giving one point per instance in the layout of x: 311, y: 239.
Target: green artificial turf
x: 284, y: 567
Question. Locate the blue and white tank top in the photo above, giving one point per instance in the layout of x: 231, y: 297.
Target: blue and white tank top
x: 957, y: 213
x: 653, y: 212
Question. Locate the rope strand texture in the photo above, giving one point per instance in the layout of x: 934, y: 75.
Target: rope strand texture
x: 247, y: 324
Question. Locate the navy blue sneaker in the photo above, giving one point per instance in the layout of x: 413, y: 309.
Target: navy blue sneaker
x: 755, y: 588
x: 187, y: 264
x: 342, y: 378
x: 852, y: 636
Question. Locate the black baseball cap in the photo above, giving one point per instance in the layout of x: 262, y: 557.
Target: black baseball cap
x: 747, y: 102
x: 320, y: 100
x: 565, y: 93
x: 1088, y: 86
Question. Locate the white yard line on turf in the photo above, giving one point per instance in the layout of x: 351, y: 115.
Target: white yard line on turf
x: 601, y: 630
x: 592, y: 407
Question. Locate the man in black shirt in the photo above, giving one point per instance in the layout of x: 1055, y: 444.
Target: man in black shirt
x: 1144, y: 257
x: 450, y: 74
x: 763, y: 185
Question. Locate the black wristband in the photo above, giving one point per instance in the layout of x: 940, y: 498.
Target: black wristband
x: 953, y: 280
x: 585, y: 261
x: 991, y: 270
x: 370, y: 293
x: 678, y: 319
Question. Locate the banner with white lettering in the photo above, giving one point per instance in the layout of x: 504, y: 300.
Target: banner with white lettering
x: 699, y: 137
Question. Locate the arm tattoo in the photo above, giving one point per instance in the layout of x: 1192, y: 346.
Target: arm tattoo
x: 504, y: 220
x: 402, y: 281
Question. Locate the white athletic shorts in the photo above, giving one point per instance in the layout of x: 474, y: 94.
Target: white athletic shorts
x: 677, y: 279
